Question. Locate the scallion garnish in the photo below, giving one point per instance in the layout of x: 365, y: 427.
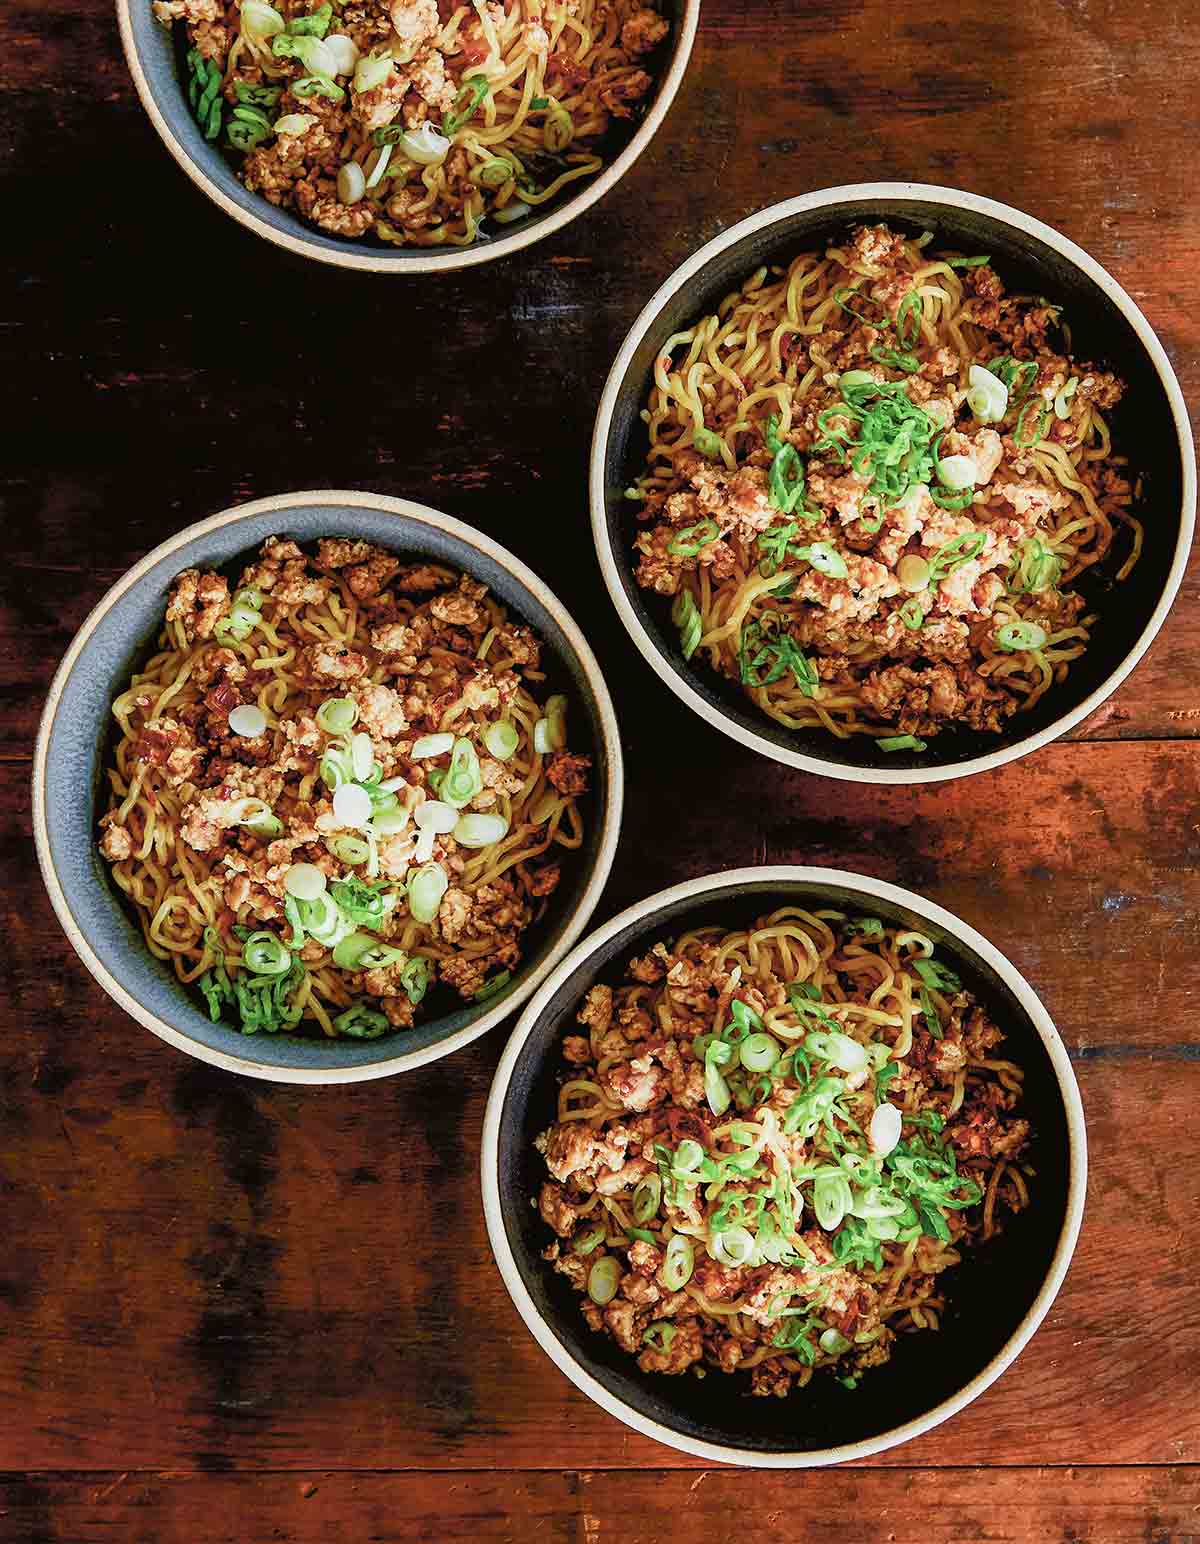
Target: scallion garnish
x: 933, y: 973
x: 912, y: 614
x: 911, y: 310
x: 968, y: 262
x: 466, y: 104
x: 1015, y: 636
x: 901, y: 742
x: 776, y: 653
x: 708, y: 444
x: 686, y: 616
x: 694, y: 538
x: 362, y: 1023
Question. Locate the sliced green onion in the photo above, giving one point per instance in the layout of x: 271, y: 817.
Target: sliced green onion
x: 1021, y: 635
x: 968, y: 262
x: 318, y: 84
x: 785, y: 480
x: 371, y: 71
x: 825, y: 559
x: 679, y: 1263
x: 659, y: 1335
x: 362, y: 755
x: 315, y: 24
x: 1062, y: 401
x: 349, y: 849
x: 414, y: 978
x: 953, y: 554
x: 716, y: 1089
x: 259, y: 20
x: 912, y: 614
x: 686, y: 616
x: 425, y: 891
x: 584, y: 1243
x: 501, y: 739
x: 734, y: 1247
x: 558, y: 129
x: 689, y: 1155
x: 265, y: 955
x: 603, y: 1279
x: 495, y: 173
x: 694, y: 538
x: 550, y: 732
x: 311, y: 51
x: 987, y: 397
x: 431, y: 745
x: 463, y: 778
x: 646, y: 1198
x: 435, y: 816
x: 833, y: 1342
x: 911, y: 310
x: 305, y: 881
x: 348, y: 952
x: 708, y: 444
x: 759, y: 1053
x: 1025, y: 434
x: 351, y: 805
x: 362, y: 1023
x: 901, y: 742
x: 831, y: 1201
x: 490, y: 988
x: 337, y: 715
x: 322, y: 919
x: 466, y: 104
x: 480, y: 830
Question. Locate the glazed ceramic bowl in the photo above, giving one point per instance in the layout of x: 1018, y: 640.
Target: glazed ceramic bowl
x: 997, y: 1297
x: 1151, y: 424
x: 75, y: 736
x: 153, y: 55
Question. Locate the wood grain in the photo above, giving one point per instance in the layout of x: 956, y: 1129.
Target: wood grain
x: 239, y: 1312
x: 1001, y: 1506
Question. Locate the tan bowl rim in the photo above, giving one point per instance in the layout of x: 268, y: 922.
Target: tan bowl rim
x: 424, y: 260
x: 870, y: 888
x: 829, y: 198
x: 610, y: 832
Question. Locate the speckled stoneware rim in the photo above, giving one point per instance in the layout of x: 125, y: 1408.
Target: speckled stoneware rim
x: 703, y: 889
x: 286, y: 231
x: 360, y: 1061
x: 829, y: 199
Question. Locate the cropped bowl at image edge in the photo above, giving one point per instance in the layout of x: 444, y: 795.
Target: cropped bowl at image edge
x: 77, y: 731
x: 995, y: 1298
x: 1150, y: 427
x: 156, y: 63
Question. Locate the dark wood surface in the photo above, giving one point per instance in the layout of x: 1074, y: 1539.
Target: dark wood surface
x: 234, y: 1311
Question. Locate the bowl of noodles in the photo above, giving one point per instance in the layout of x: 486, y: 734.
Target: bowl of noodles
x: 892, y: 483
x: 784, y: 1166
x: 404, y: 136
x: 324, y: 786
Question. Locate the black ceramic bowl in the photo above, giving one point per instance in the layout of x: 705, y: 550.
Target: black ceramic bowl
x: 998, y: 1296
x: 155, y: 58
x: 1151, y: 425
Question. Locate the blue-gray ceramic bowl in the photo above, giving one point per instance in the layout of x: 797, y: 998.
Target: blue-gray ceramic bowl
x: 997, y: 1297
x: 1151, y: 425
x: 150, y: 51
x: 74, y: 736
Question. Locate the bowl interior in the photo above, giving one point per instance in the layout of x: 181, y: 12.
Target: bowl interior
x: 989, y: 1293
x: 81, y: 735
x: 1142, y: 427
x: 160, y: 52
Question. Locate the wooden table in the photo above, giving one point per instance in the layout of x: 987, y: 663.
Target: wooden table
x: 235, y: 1311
